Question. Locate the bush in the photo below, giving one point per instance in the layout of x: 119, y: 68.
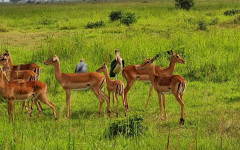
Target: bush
x: 91, y: 25
x: 115, y: 15
x: 231, y: 12
x: 129, y: 127
x: 236, y: 20
x: 128, y: 18
x: 184, y: 4
x: 202, y: 25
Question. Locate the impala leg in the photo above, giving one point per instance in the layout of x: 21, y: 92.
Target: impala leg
x: 50, y: 104
x: 116, y: 95
x: 160, y: 104
x: 11, y: 111
x: 101, y: 100
x: 149, y: 95
x: 39, y: 109
x: 180, y: 101
x: 68, y: 103
x: 164, y: 105
x: 113, y: 101
x: 126, y: 90
x: 23, y: 105
x: 124, y: 105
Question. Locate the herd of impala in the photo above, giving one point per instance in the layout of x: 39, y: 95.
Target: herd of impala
x: 20, y: 82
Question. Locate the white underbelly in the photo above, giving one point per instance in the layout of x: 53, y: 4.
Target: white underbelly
x: 168, y: 92
x: 82, y: 89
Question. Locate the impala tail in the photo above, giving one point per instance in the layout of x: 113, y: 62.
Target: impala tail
x: 123, y: 74
x: 120, y: 89
x: 181, y: 87
x: 37, y: 71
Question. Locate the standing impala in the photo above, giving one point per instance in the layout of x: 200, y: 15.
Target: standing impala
x: 17, y: 75
x: 131, y: 74
x: 173, y: 84
x: 113, y: 86
x: 25, y: 90
x: 30, y: 66
x: 79, y: 81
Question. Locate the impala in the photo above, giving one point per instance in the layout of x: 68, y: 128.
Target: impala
x: 173, y: 84
x: 21, y: 91
x: 79, y: 81
x: 131, y: 74
x: 18, y: 76
x: 113, y: 86
x: 9, y: 64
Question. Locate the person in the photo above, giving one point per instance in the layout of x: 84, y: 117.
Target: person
x: 81, y: 67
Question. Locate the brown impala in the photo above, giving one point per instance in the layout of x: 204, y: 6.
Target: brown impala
x: 79, y: 81
x: 131, y: 74
x: 25, y: 90
x: 9, y: 64
x: 173, y: 84
x: 113, y: 86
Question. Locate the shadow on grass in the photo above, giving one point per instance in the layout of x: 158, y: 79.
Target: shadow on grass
x: 233, y: 99
x: 83, y: 114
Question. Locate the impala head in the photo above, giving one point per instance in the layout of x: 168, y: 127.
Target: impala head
x: 148, y: 62
x: 176, y: 58
x: 52, y: 61
x: 102, y: 69
x: 3, y: 60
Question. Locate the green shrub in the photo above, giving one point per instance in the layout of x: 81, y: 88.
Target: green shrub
x: 91, y: 25
x: 214, y: 21
x: 202, y: 25
x: 129, y: 18
x: 237, y: 20
x: 184, y: 4
x: 231, y: 12
x: 116, y: 15
x: 128, y: 127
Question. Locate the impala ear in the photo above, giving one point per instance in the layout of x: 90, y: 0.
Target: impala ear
x: 170, y: 52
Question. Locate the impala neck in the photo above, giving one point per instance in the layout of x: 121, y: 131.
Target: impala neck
x: 107, y: 75
x: 58, y: 73
x: 152, y: 73
x: 171, y: 67
x: 10, y: 63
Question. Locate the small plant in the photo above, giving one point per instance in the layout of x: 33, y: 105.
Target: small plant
x: 116, y: 15
x: 231, y: 12
x: 202, y: 25
x: 214, y: 21
x: 129, y: 127
x: 129, y: 18
x: 184, y: 4
x: 91, y: 25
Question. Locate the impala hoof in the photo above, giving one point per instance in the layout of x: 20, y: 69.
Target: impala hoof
x: 182, y: 121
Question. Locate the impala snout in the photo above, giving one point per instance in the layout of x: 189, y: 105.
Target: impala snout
x: 47, y: 62
x: 139, y: 67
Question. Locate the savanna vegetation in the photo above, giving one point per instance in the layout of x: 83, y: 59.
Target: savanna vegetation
x: 207, y: 36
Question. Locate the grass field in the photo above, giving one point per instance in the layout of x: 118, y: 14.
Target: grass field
x: 35, y: 32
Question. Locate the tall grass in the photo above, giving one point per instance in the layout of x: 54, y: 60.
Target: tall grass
x: 212, y: 98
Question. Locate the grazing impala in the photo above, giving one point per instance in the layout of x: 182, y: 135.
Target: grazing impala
x: 173, y: 84
x: 9, y: 64
x: 113, y: 86
x: 131, y: 74
x: 21, y: 91
x: 79, y: 81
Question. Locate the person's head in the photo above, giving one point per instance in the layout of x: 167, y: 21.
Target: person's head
x: 82, y: 60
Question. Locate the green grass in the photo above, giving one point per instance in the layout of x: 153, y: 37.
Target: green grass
x: 33, y: 33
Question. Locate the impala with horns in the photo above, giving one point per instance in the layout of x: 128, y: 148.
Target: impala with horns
x: 36, y: 90
x: 173, y: 84
x: 116, y: 87
x: 79, y: 81
x: 131, y: 74
x: 9, y: 64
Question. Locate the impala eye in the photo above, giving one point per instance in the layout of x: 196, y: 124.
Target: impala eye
x: 177, y: 56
